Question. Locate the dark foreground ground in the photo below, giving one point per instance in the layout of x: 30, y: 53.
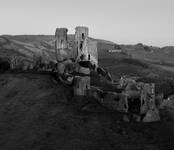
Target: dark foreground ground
x: 38, y: 114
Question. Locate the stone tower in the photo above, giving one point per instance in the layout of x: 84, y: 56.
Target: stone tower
x: 86, y: 48
x: 61, y: 49
x: 82, y: 82
x: 81, y: 37
x: 61, y: 43
x: 83, y: 52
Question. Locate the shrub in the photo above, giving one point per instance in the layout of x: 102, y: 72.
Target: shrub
x: 4, y: 65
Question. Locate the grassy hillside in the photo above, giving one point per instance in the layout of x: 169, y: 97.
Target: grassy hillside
x: 162, y: 56
x: 27, y: 46
x: 145, y: 71
x: 42, y: 116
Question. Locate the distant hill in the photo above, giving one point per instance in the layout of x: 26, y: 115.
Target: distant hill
x: 29, y: 45
x: 133, y: 59
x: 155, y: 54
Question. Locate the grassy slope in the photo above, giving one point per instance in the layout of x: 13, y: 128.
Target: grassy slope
x: 38, y: 43
x: 27, y: 46
x: 119, y: 64
x: 161, y: 57
x: 40, y: 116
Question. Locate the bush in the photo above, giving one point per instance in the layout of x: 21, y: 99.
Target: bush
x: 4, y: 65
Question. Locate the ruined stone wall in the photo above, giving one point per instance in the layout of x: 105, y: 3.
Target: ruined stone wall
x: 81, y: 85
x: 147, y: 97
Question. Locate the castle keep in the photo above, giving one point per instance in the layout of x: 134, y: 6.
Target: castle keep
x: 84, y: 51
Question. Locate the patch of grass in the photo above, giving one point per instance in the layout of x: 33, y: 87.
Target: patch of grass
x: 12, y: 94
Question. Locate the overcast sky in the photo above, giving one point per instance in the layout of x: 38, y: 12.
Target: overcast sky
x: 123, y: 21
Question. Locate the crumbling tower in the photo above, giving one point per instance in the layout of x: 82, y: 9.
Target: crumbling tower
x: 86, y: 48
x: 82, y: 82
x: 61, y: 43
x: 61, y: 47
x: 81, y: 37
x: 81, y: 40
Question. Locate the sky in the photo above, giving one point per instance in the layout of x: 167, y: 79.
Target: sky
x: 122, y: 21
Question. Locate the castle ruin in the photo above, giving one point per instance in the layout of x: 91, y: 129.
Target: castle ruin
x: 75, y: 63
